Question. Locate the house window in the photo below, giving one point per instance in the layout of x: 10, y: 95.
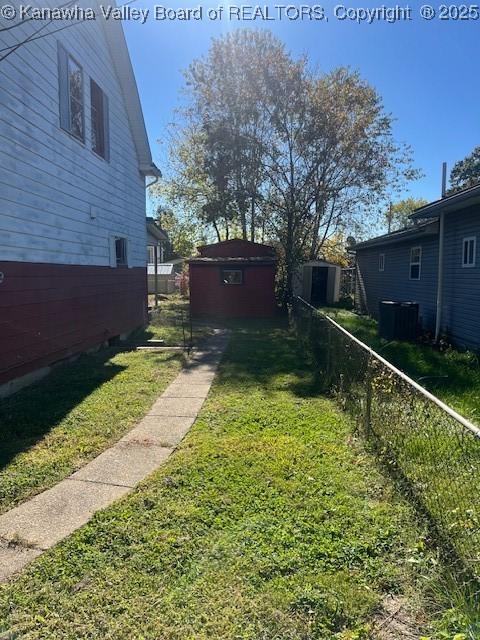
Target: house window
x: 232, y: 276
x: 99, y: 116
x: 381, y: 262
x: 121, y: 252
x: 469, y: 252
x: 415, y: 263
x: 151, y: 254
x: 70, y: 75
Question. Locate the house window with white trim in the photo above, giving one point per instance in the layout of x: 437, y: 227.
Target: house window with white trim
x: 70, y: 77
x: 381, y: 262
x: 469, y: 251
x: 415, y: 263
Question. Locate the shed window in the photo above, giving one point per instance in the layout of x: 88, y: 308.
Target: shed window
x: 70, y: 77
x: 415, y: 263
x: 99, y: 116
x: 469, y: 251
x: 232, y: 276
x: 381, y: 262
x: 121, y: 252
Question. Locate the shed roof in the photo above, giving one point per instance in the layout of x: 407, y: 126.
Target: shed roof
x: 234, y: 260
x: 162, y: 269
x: 237, y: 247
x: 320, y: 263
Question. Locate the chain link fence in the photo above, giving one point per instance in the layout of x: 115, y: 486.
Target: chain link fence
x: 172, y: 323
x: 432, y: 450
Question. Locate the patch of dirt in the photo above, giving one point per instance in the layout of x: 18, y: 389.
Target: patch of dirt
x: 395, y: 621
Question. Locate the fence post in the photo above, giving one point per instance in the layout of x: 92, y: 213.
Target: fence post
x: 329, y: 353
x: 368, y: 399
x: 155, y: 254
x: 183, y: 331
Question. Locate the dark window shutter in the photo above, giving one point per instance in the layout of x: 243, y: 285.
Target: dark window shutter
x: 64, y: 99
x: 106, y: 124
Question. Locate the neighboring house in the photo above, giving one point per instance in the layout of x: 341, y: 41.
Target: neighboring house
x: 435, y: 263
x: 157, y: 242
x: 158, y: 247
x: 163, y: 275
x: 74, y: 157
x: 233, y: 279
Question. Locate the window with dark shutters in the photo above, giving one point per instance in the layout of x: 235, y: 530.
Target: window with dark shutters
x: 99, y: 116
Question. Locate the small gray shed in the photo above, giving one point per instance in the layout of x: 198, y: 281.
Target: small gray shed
x: 318, y: 282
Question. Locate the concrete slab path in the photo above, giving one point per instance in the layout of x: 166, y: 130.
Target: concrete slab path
x: 39, y: 523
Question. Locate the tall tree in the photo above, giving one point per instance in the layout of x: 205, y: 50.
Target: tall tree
x: 183, y: 233
x: 281, y: 152
x: 397, y: 216
x: 465, y: 173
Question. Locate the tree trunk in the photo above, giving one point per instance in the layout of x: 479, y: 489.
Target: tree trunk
x: 217, y: 231
x: 319, y: 211
x: 289, y: 259
x: 243, y: 219
x: 252, y: 222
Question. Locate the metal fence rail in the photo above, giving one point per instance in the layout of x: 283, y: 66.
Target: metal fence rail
x: 435, y: 451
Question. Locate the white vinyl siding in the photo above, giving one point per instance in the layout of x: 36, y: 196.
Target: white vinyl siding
x: 49, y: 181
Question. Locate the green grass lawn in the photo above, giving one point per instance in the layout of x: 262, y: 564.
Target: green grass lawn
x: 53, y: 428
x: 453, y: 376
x: 270, y: 522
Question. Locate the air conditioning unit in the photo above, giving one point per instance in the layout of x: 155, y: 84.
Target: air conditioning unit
x: 398, y: 320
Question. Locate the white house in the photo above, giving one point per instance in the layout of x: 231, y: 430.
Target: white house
x: 74, y: 158
x: 160, y: 275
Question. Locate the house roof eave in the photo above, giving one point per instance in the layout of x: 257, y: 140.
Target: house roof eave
x: 128, y: 86
x: 455, y: 202
x: 426, y: 229
x: 156, y: 232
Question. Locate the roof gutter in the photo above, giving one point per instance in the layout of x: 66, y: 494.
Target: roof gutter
x: 151, y: 170
x: 438, y: 315
x: 441, y: 238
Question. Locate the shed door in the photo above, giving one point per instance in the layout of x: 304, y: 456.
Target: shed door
x: 319, y: 285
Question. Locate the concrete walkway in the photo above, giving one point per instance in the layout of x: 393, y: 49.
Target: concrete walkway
x: 39, y: 523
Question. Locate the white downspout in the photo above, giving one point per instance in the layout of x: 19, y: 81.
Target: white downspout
x: 438, y: 319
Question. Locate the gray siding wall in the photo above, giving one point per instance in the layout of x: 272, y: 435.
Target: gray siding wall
x: 394, y: 282
x: 461, y: 301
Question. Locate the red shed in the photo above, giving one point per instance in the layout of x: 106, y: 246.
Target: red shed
x: 233, y: 279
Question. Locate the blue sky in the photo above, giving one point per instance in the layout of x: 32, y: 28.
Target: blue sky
x: 426, y: 73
